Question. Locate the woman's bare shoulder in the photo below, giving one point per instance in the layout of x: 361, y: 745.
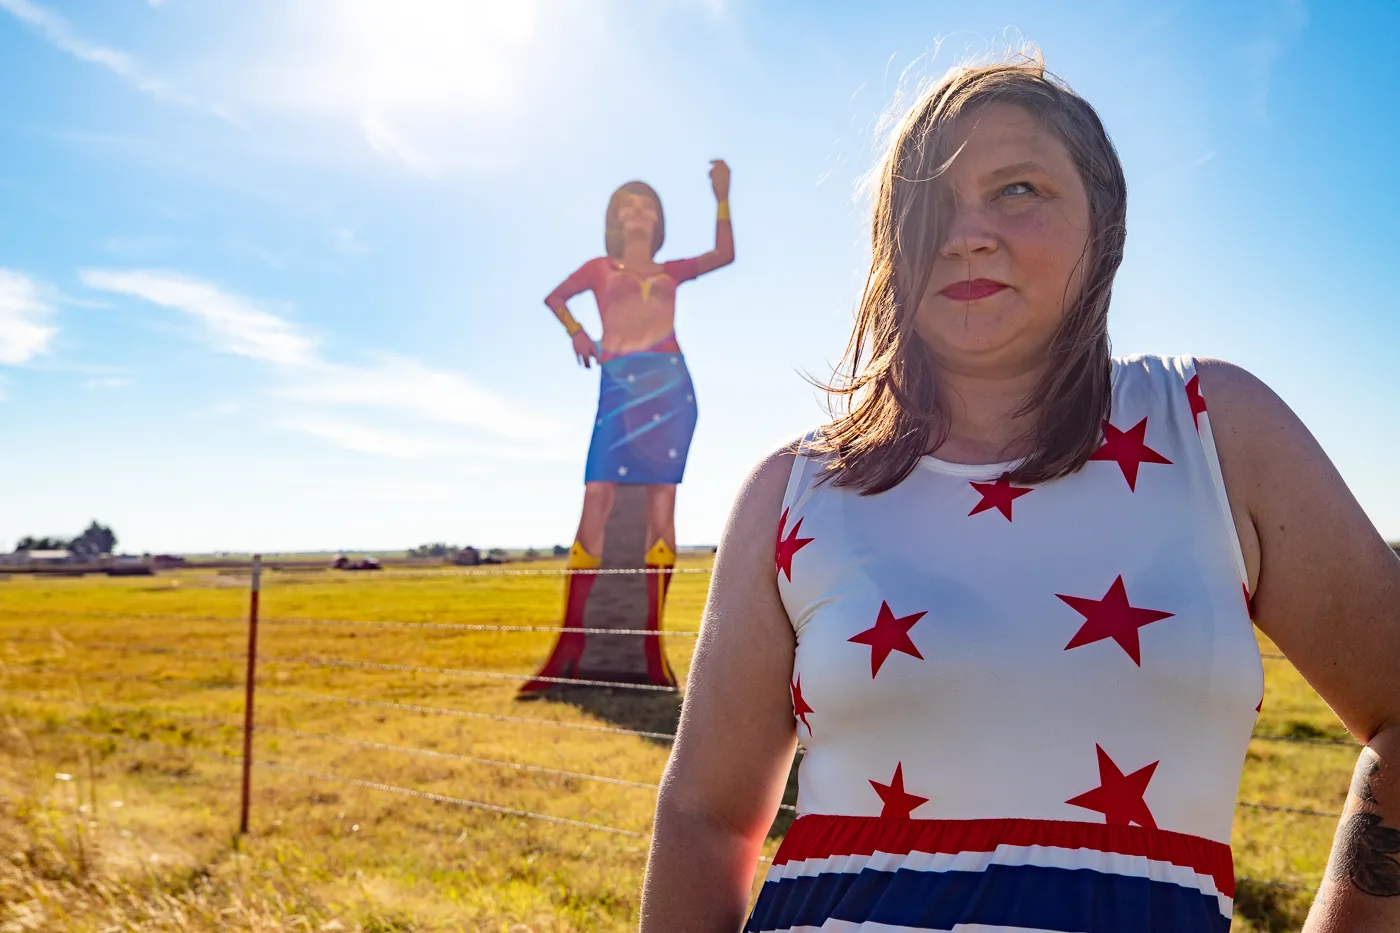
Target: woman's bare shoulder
x: 758, y: 505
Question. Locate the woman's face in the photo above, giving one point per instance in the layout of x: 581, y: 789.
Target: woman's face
x: 637, y: 216
x: 1011, y: 255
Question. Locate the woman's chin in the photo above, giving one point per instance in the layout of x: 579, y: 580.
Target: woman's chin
x: 986, y: 349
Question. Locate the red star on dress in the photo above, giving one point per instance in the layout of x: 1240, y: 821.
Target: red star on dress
x: 898, y: 804
x: 888, y: 634
x: 1119, y: 798
x: 790, y: 546
x: 800, y: 709
x: 1112, y: 617
x: 1197, y: 400
x: 999, y: 496
x: 1128, y: 449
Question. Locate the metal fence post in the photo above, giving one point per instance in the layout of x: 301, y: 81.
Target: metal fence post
x: 250, y: 683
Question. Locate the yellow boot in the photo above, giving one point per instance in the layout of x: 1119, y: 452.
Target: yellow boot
x: 661, y: 560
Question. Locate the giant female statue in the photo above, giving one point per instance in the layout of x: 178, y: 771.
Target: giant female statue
x: 646, y: 401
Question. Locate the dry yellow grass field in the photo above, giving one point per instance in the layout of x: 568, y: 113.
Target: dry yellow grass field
x: 119, y: 778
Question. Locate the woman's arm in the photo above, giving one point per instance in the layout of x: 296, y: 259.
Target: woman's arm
x: 725, y: 778
x: 1328, y: 595
x: 580, y: 281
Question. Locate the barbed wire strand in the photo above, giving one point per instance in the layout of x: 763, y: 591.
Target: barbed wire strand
x: 432, y: 753
x: 393, y: 574
x: 368, y: 623
x: 1298, y: 811
x: 452, y: 756
x: 467, y: 714
x: 358, y: 743
x: 443, y: 798
x: 378, y: 666
x: 508, y: 811
x: 545, y: 572
x: 1273, y: 884
x: 409, y: 707
x: 375, y: 785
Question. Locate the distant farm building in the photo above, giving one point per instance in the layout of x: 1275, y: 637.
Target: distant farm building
x: 467, y: 557
x: 46, y: 558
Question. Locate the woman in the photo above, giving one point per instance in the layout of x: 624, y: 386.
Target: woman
x: 1010, y: 619
x: 646, y: 402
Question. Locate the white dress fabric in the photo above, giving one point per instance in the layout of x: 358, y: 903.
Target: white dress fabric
x: 1022, y: 708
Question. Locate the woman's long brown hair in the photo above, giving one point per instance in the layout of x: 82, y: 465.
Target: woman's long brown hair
x: 888, y: 412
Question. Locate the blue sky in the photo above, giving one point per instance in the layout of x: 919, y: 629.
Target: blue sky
x: 271, y: 272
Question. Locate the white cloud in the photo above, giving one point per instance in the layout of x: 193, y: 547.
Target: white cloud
x: 60, y: 35
x: 231, y: 322
x: 1286, y: 20
x: 407, y: 387
x: 109, y: 382
x: 403, y: 445
x: 386, y: 142
x: 24, y: 314
x: 348, y: 241
x: 393, y: 384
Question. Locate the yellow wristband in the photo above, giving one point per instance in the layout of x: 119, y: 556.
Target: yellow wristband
x: 723, y: 210
x: 567, y: 319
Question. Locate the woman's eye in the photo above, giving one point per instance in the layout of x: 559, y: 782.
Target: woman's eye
x: 1019, y: 187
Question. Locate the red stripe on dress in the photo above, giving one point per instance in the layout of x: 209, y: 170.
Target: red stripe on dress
x: 817, y: 836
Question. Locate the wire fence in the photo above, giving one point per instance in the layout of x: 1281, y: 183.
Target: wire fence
x: 254, y: 685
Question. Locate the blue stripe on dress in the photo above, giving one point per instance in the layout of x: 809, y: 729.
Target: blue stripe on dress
x: 1032, y: 896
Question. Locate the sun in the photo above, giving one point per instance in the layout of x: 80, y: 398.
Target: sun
x: 434, y: 54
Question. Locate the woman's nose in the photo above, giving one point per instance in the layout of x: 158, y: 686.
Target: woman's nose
x: 970, y: 233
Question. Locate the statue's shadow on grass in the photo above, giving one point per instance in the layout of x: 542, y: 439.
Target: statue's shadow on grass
x: 656, y: 715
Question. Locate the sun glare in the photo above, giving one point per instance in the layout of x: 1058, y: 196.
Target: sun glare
x: 426, y: 53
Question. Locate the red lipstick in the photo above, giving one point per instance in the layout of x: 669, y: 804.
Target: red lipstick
x: 972, y: 289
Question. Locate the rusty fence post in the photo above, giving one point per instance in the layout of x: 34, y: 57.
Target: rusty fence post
x: 251, y: 682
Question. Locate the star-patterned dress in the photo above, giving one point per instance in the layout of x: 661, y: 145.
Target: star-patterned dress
x: 1022, y: 707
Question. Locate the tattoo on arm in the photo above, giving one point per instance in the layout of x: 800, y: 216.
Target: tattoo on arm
x: 1367, y: 852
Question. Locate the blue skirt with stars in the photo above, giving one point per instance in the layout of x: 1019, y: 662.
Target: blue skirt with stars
x: 646, y: 418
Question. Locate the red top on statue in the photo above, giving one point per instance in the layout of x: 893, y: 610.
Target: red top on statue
x: 614, y: 286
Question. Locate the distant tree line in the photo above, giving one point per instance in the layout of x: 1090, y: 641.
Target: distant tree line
x: 437, y: 549
x: 440, y: 549
x: 97, y: 539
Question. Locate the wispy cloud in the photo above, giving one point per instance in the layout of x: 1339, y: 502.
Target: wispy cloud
x: 140, y: 247
x: 1203, y: 158
x: 404, y: 386
x: 109, y: 382
x: 392, y: 384
x: 232, y: 323
x: 1262, y: 54
x: 348, y: 241
x: 403, y: 445
x: 388, y: 143
x: 25, y: 331
x: 59, y: 34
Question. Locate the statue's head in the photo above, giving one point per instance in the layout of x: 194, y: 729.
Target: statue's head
x: 634, y: 214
